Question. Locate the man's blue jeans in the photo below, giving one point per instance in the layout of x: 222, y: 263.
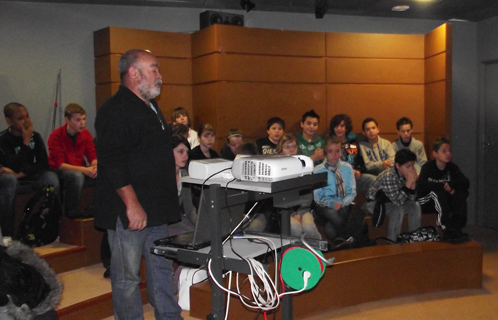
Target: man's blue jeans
x: 127, y: 249
x: 10, y: 186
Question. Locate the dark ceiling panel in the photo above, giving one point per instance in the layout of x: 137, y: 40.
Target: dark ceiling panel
x: 471, y: 10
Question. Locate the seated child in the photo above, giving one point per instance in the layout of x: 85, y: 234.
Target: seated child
x: 302, y: 220
x: 309, y: 142
x: 333, y: 200
x: 179, y: 129
x: 23, y: 163
x: 233, y: 141
x: 377, y: 153
x: 206, y: 141
x: 394, y: 189
x: 341, y: 127
x: 406, y: 141
x: 248, y: 147
x: 275, y: 128
x: 442, y: 181
x: 181, y: 149
x: 180, y: 115
x: 68, y: 146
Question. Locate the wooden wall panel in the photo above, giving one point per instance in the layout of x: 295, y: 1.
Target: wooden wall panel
x: 171, y: 96
x: 162, y: 44
x: 247, y: 106
x: 385, y: 103
x: 104, y: 91
x: 240, y: 77
x: 176, y: 71
x: 232, y: 39
x: 173, y: 51
x: 106, y: 68
x: 372, y: 45
x: 206, y: 101
x: 347, y: 70
x: 205, y: 69
x: 173, y: 70
x: 435, y: 112
x: 258, y: 68
x: 438, y: 40
x: 438, y: 46
x: 435, y: 68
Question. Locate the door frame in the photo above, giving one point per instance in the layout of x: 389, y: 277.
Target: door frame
x: 480, y: 217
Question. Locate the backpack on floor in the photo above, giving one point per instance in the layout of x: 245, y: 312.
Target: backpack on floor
x: 421, y: 234
x: 354, y: 233
x: 40, y: 221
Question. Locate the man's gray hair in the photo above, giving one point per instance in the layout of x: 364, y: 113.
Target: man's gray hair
x: 127, y: 60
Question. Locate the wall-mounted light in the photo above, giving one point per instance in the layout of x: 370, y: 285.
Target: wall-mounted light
x: 320, y: 8
x: 400, y: 8
x: 247, y: 5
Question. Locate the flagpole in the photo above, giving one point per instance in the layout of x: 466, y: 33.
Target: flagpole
x: 57, y: 98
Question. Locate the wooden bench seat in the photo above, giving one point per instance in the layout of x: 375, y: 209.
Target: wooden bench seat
x: 371, y: 274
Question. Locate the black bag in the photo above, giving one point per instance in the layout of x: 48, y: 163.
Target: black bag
x: 421, y: 234
x: 354, y: 234
x: 40, y: 221
x: 21, y: 281
x: 355, y: 225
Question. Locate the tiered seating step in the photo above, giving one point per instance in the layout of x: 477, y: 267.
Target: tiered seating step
x: 370, y: 274
x: 87, y: 295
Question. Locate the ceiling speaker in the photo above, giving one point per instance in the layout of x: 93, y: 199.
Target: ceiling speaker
x: 208, y: 18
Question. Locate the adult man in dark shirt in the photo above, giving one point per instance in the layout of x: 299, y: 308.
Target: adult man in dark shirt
x: 136, y: 194
x: 23, y: 163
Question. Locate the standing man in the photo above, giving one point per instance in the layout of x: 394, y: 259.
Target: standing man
x: 136, y: 194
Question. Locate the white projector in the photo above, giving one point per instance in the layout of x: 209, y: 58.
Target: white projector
x: 203, y: 169
x: 269, y: 168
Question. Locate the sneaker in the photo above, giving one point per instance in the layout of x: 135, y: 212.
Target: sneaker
x: 107, y: 273
x: 455, y: 235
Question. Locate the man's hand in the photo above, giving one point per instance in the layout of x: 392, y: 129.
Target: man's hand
x: 134, y: 211
x: 386, y: 164
x: 337, y: 205
x: 137, y: 217
x: 357, y: 174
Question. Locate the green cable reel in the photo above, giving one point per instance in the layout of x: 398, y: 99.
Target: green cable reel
x: 297, y: 260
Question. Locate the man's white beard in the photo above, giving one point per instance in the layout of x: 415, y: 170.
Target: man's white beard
x: 148, y: 92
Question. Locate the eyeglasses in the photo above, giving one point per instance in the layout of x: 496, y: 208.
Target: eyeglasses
x: 289, y: 146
